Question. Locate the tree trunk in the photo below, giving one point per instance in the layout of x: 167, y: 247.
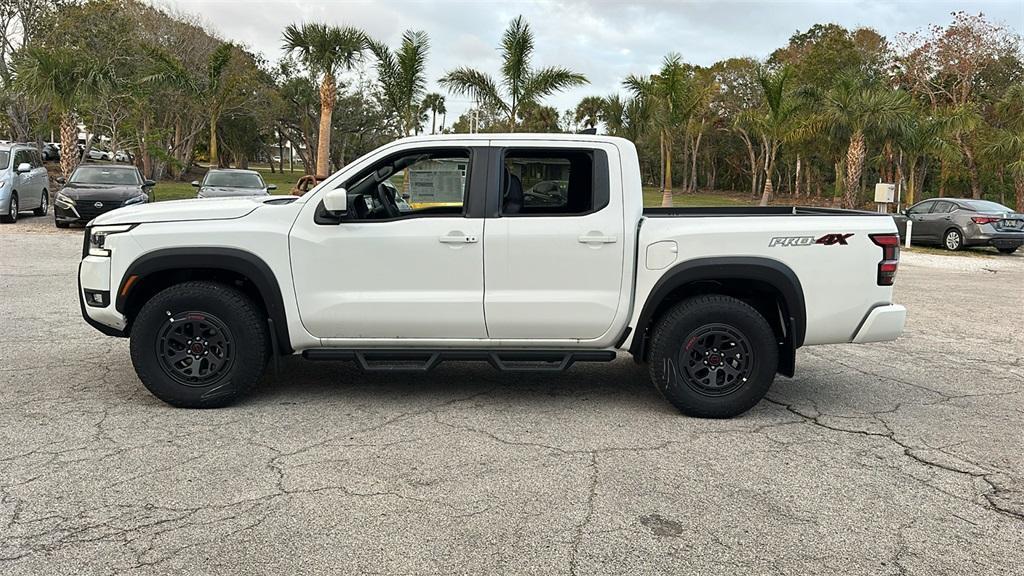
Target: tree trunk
x: 796, y: 187
x: 666, y: 193
x: 972, y: 169
x: 328, y: 96
x: 911, y: 181
x: 433, y: 121
x: 854, y: 164
x: 68, y: 144
x: 942, y: 179
x: 1018, y: 192
x: 214, y: 157
x: 769, y: 164
x: 696, y: 149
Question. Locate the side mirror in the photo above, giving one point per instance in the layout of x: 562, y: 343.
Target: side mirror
x: 60, y: 180
x: 195, y: 183
x: 148, y: 183
x: 23, y: 167
x: 336, y: 201
x: 406, y: 197
x: 271, y: 186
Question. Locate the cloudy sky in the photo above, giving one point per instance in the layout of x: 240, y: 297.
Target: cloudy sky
x: 604, y: 40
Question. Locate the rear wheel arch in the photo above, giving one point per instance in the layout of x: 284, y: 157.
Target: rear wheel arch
x: 244, y: 270
x: 769, y: 286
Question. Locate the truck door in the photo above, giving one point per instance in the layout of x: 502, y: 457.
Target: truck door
x: 397, y: 266
x: 553, y: 250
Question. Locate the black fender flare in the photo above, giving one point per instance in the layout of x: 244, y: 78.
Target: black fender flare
x: 234, y: 260
x: 766, y: 270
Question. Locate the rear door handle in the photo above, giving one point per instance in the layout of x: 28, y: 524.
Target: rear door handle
x: 596, y: 239
x: 460, y: 239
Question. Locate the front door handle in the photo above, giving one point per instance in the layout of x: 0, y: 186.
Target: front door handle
x: 597, y: 239
x: 457, y: 239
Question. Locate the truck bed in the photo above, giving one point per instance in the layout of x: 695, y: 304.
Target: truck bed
x: 704, y: 211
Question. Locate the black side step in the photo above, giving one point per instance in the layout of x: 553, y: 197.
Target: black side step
x: 416, y: 360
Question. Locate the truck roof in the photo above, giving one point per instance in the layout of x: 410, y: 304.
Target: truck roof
x: 553, y: 137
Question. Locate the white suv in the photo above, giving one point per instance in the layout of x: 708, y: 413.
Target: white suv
x: 23, y: 182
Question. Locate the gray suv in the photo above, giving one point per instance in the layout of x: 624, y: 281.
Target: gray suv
x: 958, y: 222
x: 23, y: 182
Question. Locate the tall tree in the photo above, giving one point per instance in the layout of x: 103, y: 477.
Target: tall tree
x: 857, y: 108
x: 1008, y: 141
x: 326, y: 51
x: 64, y: 81
x: 520, y: 84
x: 434, y: 103
x: 671, y: 96
x: 589, y: 110
x: 775, y: 122
x: 402, y: 75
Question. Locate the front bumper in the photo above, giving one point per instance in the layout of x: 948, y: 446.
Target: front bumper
x: 882, y: 324
x: 94, y: 277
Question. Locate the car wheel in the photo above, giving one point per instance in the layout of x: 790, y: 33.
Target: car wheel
x: 953, y: 240
x: 1008, y: 250
x: 12, y: 211
x: 199, y: 345
x: 44, y: 205
x: 713, y: 356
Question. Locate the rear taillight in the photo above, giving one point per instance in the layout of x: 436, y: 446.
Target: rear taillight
x: 984, y: 219
x: 890, y: 244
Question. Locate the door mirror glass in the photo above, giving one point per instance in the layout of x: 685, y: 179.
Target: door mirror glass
x: 336, y: 201
x: 24, y: 167
x: 148, y: 183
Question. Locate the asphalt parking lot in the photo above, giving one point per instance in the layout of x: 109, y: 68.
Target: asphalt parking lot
x: 897, y: 458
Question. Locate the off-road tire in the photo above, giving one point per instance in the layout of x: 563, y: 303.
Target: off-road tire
x: 672, y: 357
x: 243, y: 328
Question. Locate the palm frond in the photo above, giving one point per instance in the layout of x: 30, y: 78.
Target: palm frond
x: 547, y: 81
x: 478, y: 85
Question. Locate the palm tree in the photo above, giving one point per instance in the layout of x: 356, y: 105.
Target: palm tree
x: 402, y: 75
x: 589, y: 111
x: 520, y: 84
x: 1008, y: 140
x: 326, y: 51
x: 212, y: 88
x: 434, y: 102
x: 924, y: 136
x: 775, y: 121
x: 64, y: 81
x: 671, y: 96
x: 857, y: 108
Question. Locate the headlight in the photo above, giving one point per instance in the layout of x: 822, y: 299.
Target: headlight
x: 63, y: 201
x: 135, y: 200
x: 98, y: 238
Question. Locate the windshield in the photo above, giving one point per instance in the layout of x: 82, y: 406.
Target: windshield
x: 985, y: 206
x: 5, y: 157
x: 234, y: 180
x: 102, y: 175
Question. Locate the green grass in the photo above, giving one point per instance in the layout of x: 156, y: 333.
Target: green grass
x: 174, y: 190
x: 652, y: 199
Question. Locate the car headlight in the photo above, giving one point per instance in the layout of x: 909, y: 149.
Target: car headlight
x: 135, y: 200
x: 98, y: 238
x: 64, y: 201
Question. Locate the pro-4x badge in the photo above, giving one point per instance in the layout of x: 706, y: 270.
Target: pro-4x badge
x: 827, y: 240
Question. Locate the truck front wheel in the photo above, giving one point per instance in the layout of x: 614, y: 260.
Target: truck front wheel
x: 199, y: 345
x: 713, y: 356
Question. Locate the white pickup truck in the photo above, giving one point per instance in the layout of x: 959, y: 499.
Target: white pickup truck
x: 527, y: 251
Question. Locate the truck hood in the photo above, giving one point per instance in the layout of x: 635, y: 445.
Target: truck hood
x: 183, y: 210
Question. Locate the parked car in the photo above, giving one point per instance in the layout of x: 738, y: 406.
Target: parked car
x: 124, y: 156
x: 223, y: 182
x: 23, y: 182
x: 955, y: 223
x: 97, y: 154
x: 715, y: 300
x: 96, y: 189
x: 51, y: 152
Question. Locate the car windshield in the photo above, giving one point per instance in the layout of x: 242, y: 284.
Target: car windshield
x: 985, y: 206
x: 101, y: 175
x: 233, y: 180
x: 5, y: 157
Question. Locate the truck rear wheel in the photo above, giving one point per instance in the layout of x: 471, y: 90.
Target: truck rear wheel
x: 713, y: 356
x: 199, y: 345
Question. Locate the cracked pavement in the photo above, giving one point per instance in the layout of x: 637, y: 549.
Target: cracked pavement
x: 895, y: 458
